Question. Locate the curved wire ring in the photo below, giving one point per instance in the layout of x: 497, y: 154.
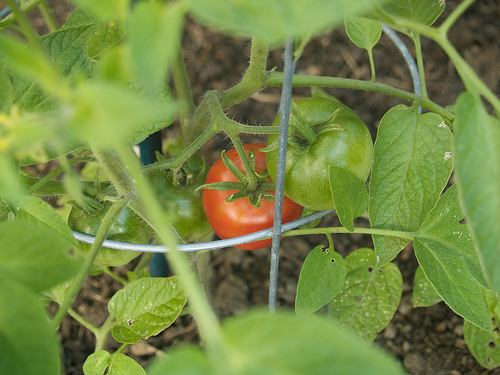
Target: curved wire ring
x: 146, y: 248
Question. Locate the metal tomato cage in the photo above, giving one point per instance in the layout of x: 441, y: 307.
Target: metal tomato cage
x: 158, y: 265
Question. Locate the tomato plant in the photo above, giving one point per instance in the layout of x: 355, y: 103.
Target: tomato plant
x: 239, y: 217
x: 95, y: 85
x: 129, y: 227
x: 334, y: 136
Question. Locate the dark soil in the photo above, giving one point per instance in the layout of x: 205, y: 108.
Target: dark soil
x: 426, y: 340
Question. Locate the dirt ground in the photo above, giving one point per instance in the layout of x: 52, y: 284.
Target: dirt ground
x: 426, y: 340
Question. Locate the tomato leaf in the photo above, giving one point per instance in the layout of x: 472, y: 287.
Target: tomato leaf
x: 101, y: 362
x: 423, y: 11
x: 477, y: 144
x: 11, y: 191
x: 349, y: 195
x: 34, y: 210
x: 485, y: 344
x: 106, y: 10
x: 105, y: 33
x: 145, y: 307
x: 424, y: 294
x: 322, y: 275
x: 35, y: 256
x: 363, y: 32
x: 6, y: 94
x: 283, y: 344
x: 370, y: 296
x: 160, y: 26
x: 276, y: 20
x: 446, y: 253
x: 28, y: 342
x: 411, y: 167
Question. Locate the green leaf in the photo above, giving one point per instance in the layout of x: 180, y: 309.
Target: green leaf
x: 104, y: 35
x: 322, y: 275
x: 349, y: 195
x: 477, y: 144
x: 28, y: 342
x: 276, y: 20
x: 101, y: 362
x: 424, y: 294
x: 11, y: 191
x: 36, y: 82
x: 484, y: 345
x: 145, y: 307
x: 106, y: 10
x: 363, y: 32
x: 35, y: 210
x: 28, y: 61
x: 283, y: 344
x: 6, y: 94
x: 35, y: 256
x: 160, y: 26
x: 446, y: 253
x: 411, y: 167
x: 423, y: 11
x: 107, y: 113
x: 370, y: 296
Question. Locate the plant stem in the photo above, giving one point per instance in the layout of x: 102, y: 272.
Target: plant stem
x: 301, y: 80
x: 453, y: 16
x: 185, y: 154
x: 121, y: 280
x: 326, y: 231
x: 372, y: 64
x: 48, y: 16
x: 420, y: 64
x: 92, y: 328
x: 469, y: 77
x: 254, y: 79
x: 184, y: 94
x: 103, y: 332
x: 207, y: 321
x: 26, y: 7
x: 101, y: 235
x: 27, y: 28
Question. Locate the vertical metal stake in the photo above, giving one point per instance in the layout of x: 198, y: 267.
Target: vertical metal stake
x: 286, y: 96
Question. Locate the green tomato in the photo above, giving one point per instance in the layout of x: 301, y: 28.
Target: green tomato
x: 328, y: 138
x: 128, y: 227
x: 176, y: 194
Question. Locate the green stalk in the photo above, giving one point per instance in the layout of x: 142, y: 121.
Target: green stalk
x: 372, y: 64
x: 92, y: 328
x: 469, y: 77
x: 27, y: 28
x: 26, y: 6
x: 254, y: 79
x: 48, y: 16
x: 208, y: 324
x: 184, y: 94
x: 300, y: 80
x: 185, y: 154
x: 103, y: 332
x: 383, y: 232
x: 453, y: 17
x: 420, y: 63
x: 77, y: 283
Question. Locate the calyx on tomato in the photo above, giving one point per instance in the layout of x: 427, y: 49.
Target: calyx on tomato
x: 255, y: 189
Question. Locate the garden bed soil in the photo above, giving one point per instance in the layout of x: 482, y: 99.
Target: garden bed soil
x: 426, y: 340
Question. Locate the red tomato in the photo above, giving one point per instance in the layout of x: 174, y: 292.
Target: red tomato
x: 239, y: 217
